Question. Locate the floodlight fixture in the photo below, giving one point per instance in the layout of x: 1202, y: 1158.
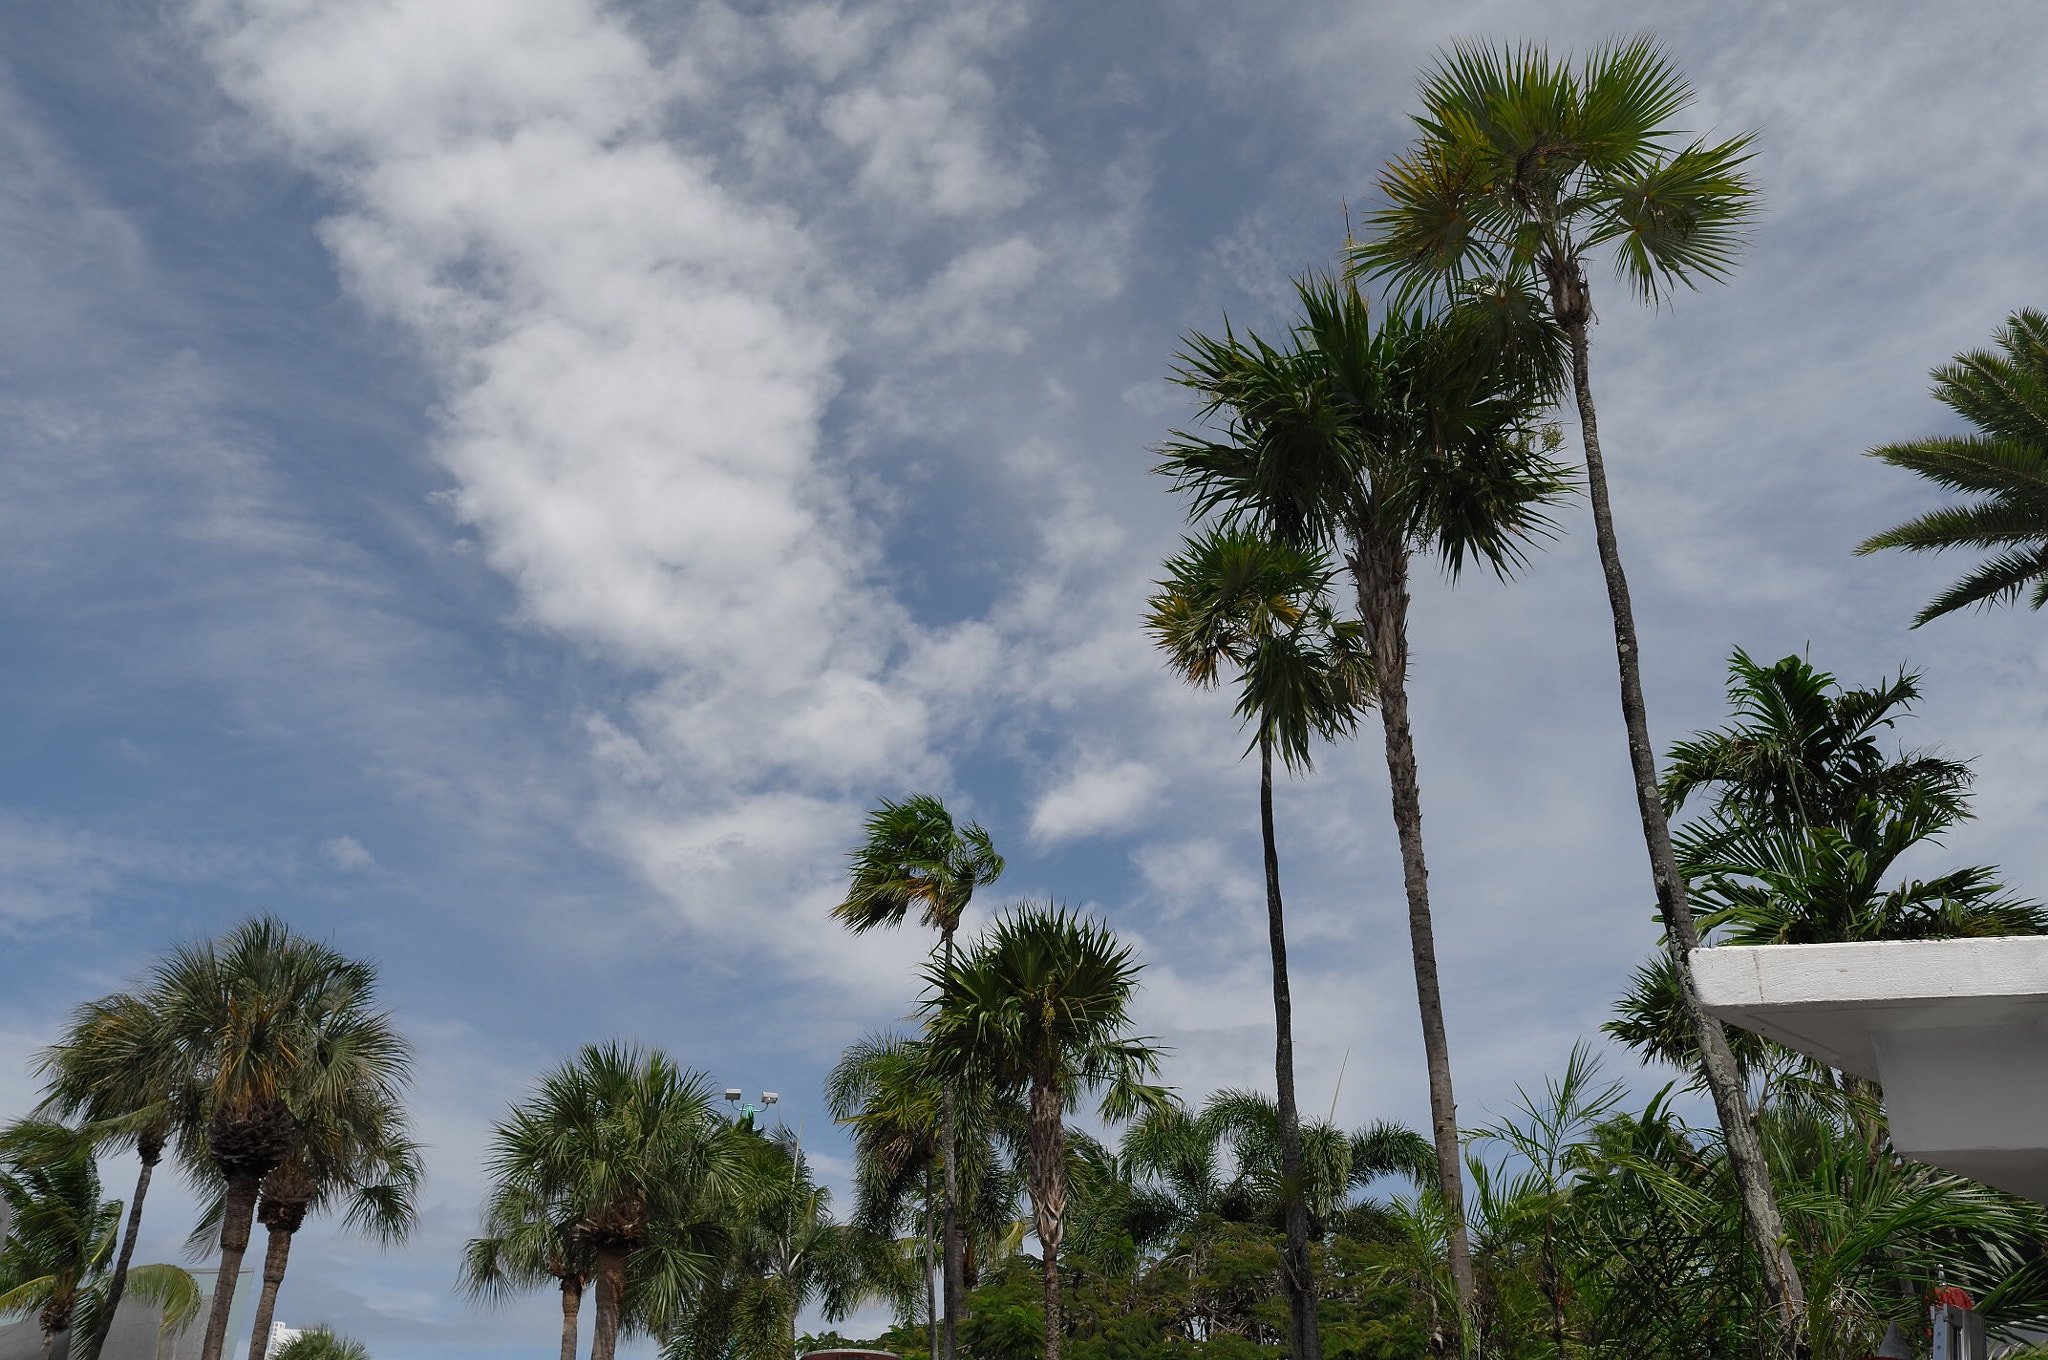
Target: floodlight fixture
x: 732, y: 1093
x: 769, y: 1097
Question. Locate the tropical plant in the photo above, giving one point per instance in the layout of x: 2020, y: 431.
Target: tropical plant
x: 2004, y: 464
x: 114, y: 1071
x: 1526, y: 168
x: 785, y: 1253
x: 887, y: 1089
x: 915, y: 857
x: 626, y: 1146
x: 1041, y: 1007
x: 1234, y: 598
x: 1416, y: 436
x: 266, y: 1026
x: 529, y: 1242
x: 322, y: 1343
x: 350, y: 1150
x: 55, y: 1263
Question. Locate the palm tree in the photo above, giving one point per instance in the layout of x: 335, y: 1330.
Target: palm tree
x: 529, y: 1242
x: 266, y: 1024
x: 628, y: 1146
x: 786, y: 1253
x: 1803, y: 751
x: 351, y: 1150
x: 1041, y: 1008
x: 1235, y: 598
x: 1415, y: 436
x: 114, y: 1071
x: 322, y: 1343
x: 61, y: 1235
x: 915, y: 857
x: 2005, y: 396
x: 1524, y: 169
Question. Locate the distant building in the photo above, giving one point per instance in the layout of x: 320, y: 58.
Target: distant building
x: 138, y: 1329
x: 280, y: 1337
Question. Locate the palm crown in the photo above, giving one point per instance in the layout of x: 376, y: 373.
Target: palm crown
x: 1526, y: 165
x: 1235, y: 597
x: 2004, y: 464
x: 916, y: 858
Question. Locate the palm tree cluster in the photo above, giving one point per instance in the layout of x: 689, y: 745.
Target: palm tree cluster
x: 262, y: 1061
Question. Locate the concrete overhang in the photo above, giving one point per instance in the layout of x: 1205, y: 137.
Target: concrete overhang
x: 1955, y: 1030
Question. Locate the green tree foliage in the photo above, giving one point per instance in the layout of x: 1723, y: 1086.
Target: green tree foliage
x: 625, y: 1147
x: 56, y: 1263
x: 2003, y: 464
x: 1040, y: 1007
x: 322, y: 1343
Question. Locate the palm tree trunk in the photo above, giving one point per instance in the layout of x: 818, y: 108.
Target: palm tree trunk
x: 150, y: 1148
x: 611, y: 1280
x: 238, y: 1208
x: 931, y: 1297
x: 1049, y: 1198
x: 1381, y: 571
x: 1304, y: 1336
x: 955, y: 1292
x: 277, y: 1250
x: 572, y: 1305
x: 1717, y: 1060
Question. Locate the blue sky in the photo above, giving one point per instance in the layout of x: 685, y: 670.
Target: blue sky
x: 505, y: 482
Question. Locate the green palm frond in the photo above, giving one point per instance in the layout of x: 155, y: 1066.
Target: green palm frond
x: 2005, y: 396
x: 914, y: 857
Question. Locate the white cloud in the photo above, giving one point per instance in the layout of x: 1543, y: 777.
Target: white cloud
x: 347, y: 853
x: 51, y: 869
x: 1096, y: 801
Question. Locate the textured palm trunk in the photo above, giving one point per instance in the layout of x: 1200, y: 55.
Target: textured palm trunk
x: 281, y: 1220
x: 1049, y: 1198
x: 931, y: 1295
x: 1717, y: 1060
x: 150, y: 1148
x: 1381, y: 571
x: 955, y: 1290
x: 237, y: 1210
x: 572, y: 1307
x: 611, y: 1282
x: 1304, y: 1336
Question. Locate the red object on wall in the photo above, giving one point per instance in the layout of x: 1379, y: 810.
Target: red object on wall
x: 1950, y: 1296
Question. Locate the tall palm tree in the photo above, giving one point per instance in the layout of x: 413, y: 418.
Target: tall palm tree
x: 529, y: 1242
x: 266, y: 1024
x: 114, y: 1071
x: 630, y: 1147
x: 1526, y: 168
x: 915, y: 858
x: 60, y: 1239
x: 350, y: 1150
x: 1040, y: 1007
x: 1415, y: 436
x: 1234, y: 598
x: 2005, y: 463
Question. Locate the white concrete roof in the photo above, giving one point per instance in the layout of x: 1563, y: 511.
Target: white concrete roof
x: 1955, y: 1030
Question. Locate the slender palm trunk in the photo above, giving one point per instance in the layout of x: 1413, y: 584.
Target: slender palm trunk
x: 50, y: 1343
x: 237, y: 1210
x: 955, y: 1290
x: 150, y: 1148
x: 1717, y: 1060
x: 1304, y: 1336
x: 611, y: 1281
x: 1381, y: 571
x: 277, y: 1251
x: 572, y: 1305
x: 931, y: 1296
x: 1049, y: 1198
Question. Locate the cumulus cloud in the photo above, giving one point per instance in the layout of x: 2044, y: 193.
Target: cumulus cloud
x: 1096, y: 801
x: 347, y: 854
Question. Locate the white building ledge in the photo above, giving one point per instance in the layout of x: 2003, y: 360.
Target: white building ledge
x: 1955, y: 1030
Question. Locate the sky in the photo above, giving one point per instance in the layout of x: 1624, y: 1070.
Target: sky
x: 504, y: 484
